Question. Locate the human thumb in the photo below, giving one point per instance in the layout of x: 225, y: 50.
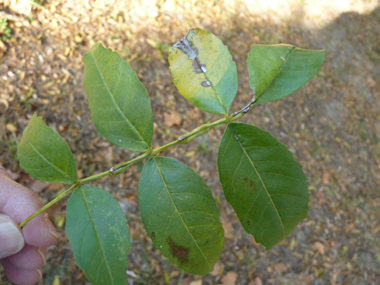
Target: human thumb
x: 11, y: 238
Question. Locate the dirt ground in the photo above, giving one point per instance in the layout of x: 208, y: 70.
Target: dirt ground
x: 332, y: 125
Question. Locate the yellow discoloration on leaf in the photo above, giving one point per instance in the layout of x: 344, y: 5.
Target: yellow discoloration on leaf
x: 209, y: 81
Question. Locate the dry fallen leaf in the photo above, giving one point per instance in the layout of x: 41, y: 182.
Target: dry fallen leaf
x: 216, y: 270
x: 3, y: 104
x: 371, y: 82
x: 198, y: 282
x: 305, y: 279
x: 11, y: 128
x: 319, y: 247
x: 228, y: 229
x: 38, y: 186
x: 230, y: 278
x: 280, y: 268
x: 325, y: 177
x: 172, y: 118
x: 194, y: 114
x: 55, y: 186
x: 3, y: 48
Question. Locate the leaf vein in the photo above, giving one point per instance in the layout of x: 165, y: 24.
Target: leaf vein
x: 115, y: 104
x: 176, y: 210
x: 258, y: 174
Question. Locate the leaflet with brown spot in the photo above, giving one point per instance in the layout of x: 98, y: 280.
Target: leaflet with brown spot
x: 178, y: 251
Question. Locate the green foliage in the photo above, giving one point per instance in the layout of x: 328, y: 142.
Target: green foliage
x: 205, y: 75
x: 261, y: 180
x: 180, y: 215
x: 119, y: 103
x: 263, y: 183
x: 98, y: 235
x: 276, y: 71
x: 45, y: 155
x: 5, y: 31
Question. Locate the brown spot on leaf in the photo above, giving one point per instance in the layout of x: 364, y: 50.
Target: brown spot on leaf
x: 153, y: 234
x: 252, y: 183
x: 178, y: 251
x: 248, y: 223
x: 206, y: 83
x: 197, y: 66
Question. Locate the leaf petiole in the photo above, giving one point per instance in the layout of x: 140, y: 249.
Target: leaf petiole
x: 48, y: 205
x: 121, y: 167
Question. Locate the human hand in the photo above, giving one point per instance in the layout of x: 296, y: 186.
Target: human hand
x: 22, y: 252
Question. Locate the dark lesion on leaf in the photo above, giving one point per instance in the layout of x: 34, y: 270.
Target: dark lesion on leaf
x: 252, y: 183
x: 185, y: 46
x: 248, y: 223
x: 198, y: 67
x: 206, y: 83
x: 178, y: 251
x: 153, y: 234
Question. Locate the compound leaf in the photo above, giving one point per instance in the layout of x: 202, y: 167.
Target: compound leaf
x: 203, y: 71
x: 180, y: 215
x: 262, y: 181
x: 45, y: 155
x: 99, y: 235
x: 276, y: 71
x: 119, y: 103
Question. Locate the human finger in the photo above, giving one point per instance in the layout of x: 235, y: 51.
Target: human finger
x: 20, y: 276
x: 29, y: 258
x: 19, y: 203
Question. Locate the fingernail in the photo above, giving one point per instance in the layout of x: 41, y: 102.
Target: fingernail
x: 39, y: 272
x: 50, y: 227
x: 11, y: 239
x: 42, y: 255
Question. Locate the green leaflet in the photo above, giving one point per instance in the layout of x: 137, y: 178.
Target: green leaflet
x: 119, y: 102
x: 180, y: 215
x: 264, y: 184
x: 45, y: 155
x: 99, y: 235
x: 203, y: 71
x: 276, y: 71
